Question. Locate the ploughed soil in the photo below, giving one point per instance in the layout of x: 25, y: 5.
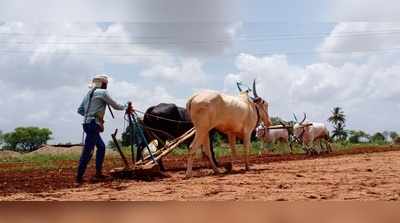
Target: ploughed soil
x: 367, y: 173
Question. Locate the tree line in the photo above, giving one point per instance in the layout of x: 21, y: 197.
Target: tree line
x: 28, y: 139
x: 340, y: 134
x: 25, y: 139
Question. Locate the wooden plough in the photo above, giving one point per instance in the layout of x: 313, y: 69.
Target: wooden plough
x: 149, y: 165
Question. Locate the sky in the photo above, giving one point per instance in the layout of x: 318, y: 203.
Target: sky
x: 307, y: 56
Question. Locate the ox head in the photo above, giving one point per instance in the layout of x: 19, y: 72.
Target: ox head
x: 261, y: 131
x: 262, y: 106
x: 299, y: 129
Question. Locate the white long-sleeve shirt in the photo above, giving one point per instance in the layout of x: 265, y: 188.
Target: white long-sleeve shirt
x: 97, y: 109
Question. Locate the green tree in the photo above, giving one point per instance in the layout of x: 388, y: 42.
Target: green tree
x: 339, y: 132
x: 378, y: 138
x: 111, y: 144
x: 26, y: 138
x: 126, y: 136
x: 386, y: 134
x: 356, y: 136
x: 219, y: 139
x: 393, y: 136
x: 277, y: 120
x: 1, y: 138
x: 338, y: 119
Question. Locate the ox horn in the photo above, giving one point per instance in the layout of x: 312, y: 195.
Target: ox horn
x: 238, y: 85
x: 295, y: 118
x: 254, y: 89
x: 305, y: 116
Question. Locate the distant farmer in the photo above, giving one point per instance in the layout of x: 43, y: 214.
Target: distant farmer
x: 93, y: 108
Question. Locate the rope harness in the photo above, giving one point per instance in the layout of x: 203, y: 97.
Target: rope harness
x: 160, y: 117
x: 258, y: 117
x: 163, y: 118
x: 300, y: 138
x: 138, y: 133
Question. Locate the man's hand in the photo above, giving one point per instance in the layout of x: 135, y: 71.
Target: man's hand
x: 129, y: 110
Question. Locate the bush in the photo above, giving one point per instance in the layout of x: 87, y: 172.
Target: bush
x: 397, y: 141
x: 358, y: 137
x: 1, y: 138
x: 26, y: 139
x: 378, y: 138
x: 111, y: 144
x: 218, y: 139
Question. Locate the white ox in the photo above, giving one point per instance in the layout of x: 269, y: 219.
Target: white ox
x: 310, y: 132
x: 272, y: 135
x: 236, y: 116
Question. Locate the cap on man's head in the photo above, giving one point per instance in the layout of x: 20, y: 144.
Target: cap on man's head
x: 99, y: 80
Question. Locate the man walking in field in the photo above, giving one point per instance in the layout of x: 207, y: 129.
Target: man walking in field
x: 93, y: 108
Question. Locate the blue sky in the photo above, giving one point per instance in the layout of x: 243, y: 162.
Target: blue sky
x: 295, y: 11
x: 170, y: 49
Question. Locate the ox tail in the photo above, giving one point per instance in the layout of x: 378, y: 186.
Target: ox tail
x: 189, y: 104
x: 212, y: 136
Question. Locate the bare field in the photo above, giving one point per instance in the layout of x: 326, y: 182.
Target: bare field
x: 359, y: 174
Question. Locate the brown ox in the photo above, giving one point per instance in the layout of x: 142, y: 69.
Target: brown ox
x: 236, y: 116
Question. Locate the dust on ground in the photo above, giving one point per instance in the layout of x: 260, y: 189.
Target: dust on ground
x: 368, y: 176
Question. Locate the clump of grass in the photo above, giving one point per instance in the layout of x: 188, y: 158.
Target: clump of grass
x: 40, y: 158
x: 38, y: 161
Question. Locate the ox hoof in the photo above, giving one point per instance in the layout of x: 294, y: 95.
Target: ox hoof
x: 187, y: 177
x: 228, y: 167
x: 217, y: 171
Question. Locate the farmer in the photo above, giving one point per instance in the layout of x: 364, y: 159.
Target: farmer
x: 93, y: 108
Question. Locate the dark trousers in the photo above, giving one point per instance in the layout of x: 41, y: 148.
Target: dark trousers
x: 92, y: 139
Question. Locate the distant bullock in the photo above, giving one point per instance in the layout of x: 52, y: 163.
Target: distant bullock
x: 272, y: 136
x: 310, y: 132
x: 236, y: 116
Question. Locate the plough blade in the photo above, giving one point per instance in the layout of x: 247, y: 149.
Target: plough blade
x: 139, y: 172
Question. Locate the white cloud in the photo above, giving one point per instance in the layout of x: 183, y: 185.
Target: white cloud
x: 119, y: 10
x: 364, y: 84
x: 49, y: 57
x: 190, y: 27
x: 367, y: 92
x: 45, y: 84
x: 56, y: 108
x: 186, y: 71
x: 364, y: 10
x: 381, y: 40
x: 72, y: 10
